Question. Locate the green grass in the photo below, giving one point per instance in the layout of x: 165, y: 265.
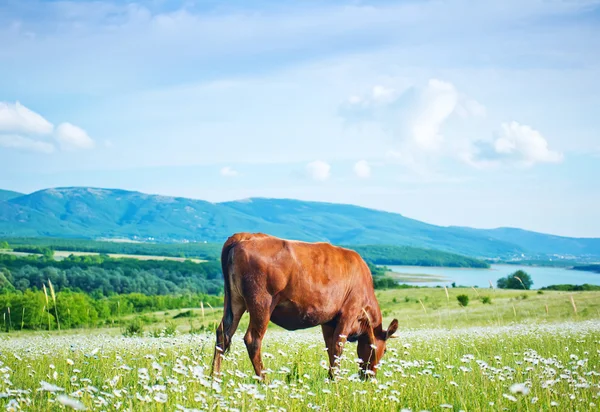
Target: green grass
x: 445, y: 356
x: 62, y: 254
x: 507, y: 307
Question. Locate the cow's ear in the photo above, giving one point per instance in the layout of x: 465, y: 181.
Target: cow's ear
x: 392, y: 328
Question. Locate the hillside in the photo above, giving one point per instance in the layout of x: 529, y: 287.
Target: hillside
x: 540, y: 243
x: 9, y: 194
x: 108, y: 213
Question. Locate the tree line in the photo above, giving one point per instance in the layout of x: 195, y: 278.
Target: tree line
x: 411, y: 256
x: 42, y: 310
x: 101, y: 275
x: 208, y: 251
x: 376, y: 254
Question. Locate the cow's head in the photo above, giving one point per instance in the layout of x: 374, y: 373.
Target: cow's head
x: 371, y: 345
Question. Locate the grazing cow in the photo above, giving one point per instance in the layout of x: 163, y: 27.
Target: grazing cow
x: 298, y: 285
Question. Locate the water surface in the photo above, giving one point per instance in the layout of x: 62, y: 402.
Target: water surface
x: 541, y: 276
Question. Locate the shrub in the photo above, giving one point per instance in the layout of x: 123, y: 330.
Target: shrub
x: 133, y: 328
x: 169, y: 330
x: 486, y: 300
x: 518, y: 280
x: 186, y: 314
x: 148, y: 319
x: 385, y: 282
x: 463, y: 300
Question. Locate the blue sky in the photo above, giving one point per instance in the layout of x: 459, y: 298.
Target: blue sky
x: 460, y: 112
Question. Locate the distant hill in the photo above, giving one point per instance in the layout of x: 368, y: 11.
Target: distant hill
x: 93, y: 213
x: 9, y: 194
x: 540, y: 243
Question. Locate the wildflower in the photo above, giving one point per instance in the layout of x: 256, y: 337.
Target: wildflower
x: 160, y: 397
x: 70, y: 402
x: 70, y: 362
x: 13, y: 405
x: 519, y: 388
x: 48, y: 387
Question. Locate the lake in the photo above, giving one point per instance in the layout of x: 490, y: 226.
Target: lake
x: 541, y: 276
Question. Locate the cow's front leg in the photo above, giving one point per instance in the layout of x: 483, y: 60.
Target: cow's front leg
x: 328, y: 331
x: 335, y: 339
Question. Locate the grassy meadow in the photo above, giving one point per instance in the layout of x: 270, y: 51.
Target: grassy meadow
x: 419, y: 308
x: 523, y: 351
x: 62, y: 254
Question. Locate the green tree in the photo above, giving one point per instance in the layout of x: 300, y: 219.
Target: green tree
x: 518, y: 280
x: 4, y: 245
x: 5, y: 280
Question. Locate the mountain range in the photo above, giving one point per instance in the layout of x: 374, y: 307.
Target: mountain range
x: 85, y: 212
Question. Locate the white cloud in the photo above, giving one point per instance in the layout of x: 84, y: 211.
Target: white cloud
x: 72, y: 137
x: 438, y: 122
x: 379, y: 95
x: 319, y: 170
x: 354, y: 99
x: 438, y: 101
x: 13, y: 141
x: 470, y: 107
x: 22, y: 128
x: 382, y: 94
x: 524, y: 145
x: 16, y: 118
x: 362, y: 169
x: 228, y: 171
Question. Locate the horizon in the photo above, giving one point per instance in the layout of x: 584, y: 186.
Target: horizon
x: 300, y: 200
x: 378, y: 104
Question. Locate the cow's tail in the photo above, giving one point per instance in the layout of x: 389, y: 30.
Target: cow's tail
x: 225, y: 267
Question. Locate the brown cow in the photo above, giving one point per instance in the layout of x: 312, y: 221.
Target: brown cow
x: 298, y: 285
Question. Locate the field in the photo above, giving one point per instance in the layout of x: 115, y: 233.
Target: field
x: 430, y: 308
x: 415, y: 277
x: 541, y: 352
x: 61, y: 254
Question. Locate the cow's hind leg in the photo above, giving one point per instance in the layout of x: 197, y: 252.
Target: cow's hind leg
x: 260, y: 314
x: 225, y: 332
